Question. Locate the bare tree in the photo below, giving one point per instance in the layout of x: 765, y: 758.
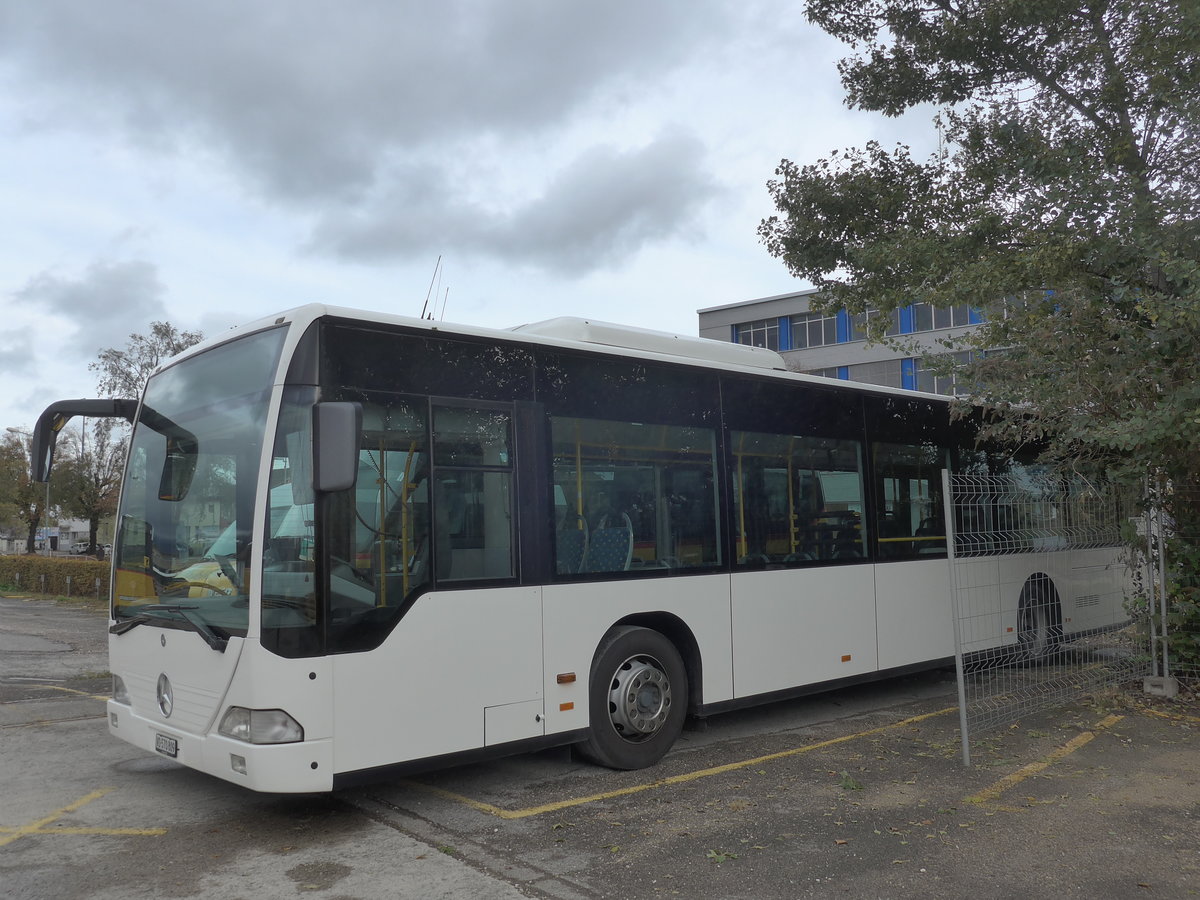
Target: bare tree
x: 123, y: 373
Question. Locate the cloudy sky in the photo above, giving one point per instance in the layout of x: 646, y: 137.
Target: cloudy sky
x: 210, y: 163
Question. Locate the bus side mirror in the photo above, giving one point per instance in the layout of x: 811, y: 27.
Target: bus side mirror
x: 336, y: 431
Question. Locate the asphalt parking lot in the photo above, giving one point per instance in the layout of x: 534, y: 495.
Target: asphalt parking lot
x: 860, y: 793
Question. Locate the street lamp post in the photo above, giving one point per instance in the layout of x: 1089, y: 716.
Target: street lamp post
x: 46, y: 507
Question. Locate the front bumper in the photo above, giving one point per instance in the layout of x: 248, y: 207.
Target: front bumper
x: 303, y: 767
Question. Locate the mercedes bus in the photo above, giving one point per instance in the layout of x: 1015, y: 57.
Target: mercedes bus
x: 354, y: 545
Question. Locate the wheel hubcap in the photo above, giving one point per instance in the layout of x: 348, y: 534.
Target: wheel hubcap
x: 639, y: 701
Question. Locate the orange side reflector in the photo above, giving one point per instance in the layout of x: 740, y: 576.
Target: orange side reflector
x: 846, y: 658
x: 566, y: 678
x: 1010, y: 631
x: 563, y: 707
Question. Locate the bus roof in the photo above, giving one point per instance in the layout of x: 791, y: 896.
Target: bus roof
x: 582, y: 334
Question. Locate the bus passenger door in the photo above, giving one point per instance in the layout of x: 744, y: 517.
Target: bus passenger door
x: 912, y: 578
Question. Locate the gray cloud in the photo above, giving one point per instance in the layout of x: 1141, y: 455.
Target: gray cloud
x: 110, y: 301
x: 350, y: 105
x: 600, y: 207
x: 18, y: 352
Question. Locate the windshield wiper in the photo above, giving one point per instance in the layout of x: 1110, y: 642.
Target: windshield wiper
x: 199, y: 626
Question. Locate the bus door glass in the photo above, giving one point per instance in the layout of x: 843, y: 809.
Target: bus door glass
x: 797, y: 499
x: 473, y: 493
x: 908, y: 482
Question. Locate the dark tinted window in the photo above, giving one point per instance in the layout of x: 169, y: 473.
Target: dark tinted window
x: 378, y: 359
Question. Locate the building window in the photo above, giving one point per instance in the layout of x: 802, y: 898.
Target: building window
x: 828, y: 372
x: 922, y: 317
x: 859, y: 323
x: 947, y: 384
x: 886, y: 372
x: 763, y: 333
x: 813, y: 330
x: 954, y: 317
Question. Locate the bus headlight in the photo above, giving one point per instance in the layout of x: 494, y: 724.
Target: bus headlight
x: 260, y: 726
x: 120, y: 693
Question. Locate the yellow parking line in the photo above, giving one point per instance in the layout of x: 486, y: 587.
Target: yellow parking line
x: 8, y: 835
x: 66, y: 690
x: 1175, y: 717
x: 502, y: 813
x: 1000, y: 787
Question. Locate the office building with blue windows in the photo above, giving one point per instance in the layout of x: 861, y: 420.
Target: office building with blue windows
x: 836, y: 346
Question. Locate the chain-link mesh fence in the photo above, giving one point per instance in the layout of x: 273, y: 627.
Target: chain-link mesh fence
x: 1044, y: 587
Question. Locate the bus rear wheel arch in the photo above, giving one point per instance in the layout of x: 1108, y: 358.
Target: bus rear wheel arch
x: 637, y: 697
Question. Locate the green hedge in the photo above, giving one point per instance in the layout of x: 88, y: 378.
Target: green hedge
x: 48, y: 575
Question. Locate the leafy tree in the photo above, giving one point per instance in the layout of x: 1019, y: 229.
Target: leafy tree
x: 123, y: 373
x: 87, y: 477
x: 22, y: 501
x: 1064, y: 202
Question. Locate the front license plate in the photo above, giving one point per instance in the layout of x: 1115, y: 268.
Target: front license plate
x: 166, y: 745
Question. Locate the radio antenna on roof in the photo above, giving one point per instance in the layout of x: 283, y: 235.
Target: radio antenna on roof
x: 436, y: 268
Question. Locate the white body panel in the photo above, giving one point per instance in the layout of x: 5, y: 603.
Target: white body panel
x: 802, y: 626
x: 458, y: 661
x: 981, y: 615
x: 478, y: 668
x: 913, y: 614
x: 1100, y: 581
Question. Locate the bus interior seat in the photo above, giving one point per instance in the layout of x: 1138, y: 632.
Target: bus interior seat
x: 610, y: 549
x: 931, y: 528
x: 571, y: 546
x: 798, y: 556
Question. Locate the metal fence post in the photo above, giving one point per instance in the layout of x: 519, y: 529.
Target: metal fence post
x: 951, y: 535
x: 1162, y: 589
x: 1148, y: 507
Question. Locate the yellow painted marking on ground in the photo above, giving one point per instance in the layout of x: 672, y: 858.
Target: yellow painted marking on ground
x: 66, y: 690
x: 45, y: 723
x: 1175, y: 717
x: 502, y: 813
x: 8, y: 835
x: 1009, y: 781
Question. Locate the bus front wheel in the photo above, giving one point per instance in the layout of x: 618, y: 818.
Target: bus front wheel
x: 637, y: 695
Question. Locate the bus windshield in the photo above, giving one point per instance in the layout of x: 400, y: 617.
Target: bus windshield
x: 184, y: 537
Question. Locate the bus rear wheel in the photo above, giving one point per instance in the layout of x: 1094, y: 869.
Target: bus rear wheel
x: 1039, y: 631
x: 637, y: 695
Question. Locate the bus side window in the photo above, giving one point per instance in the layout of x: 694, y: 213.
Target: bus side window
x: 632, y: 496
x: 908, y: 479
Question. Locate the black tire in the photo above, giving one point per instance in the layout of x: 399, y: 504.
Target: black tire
x: 637, y: 695
x: 1039, y: 620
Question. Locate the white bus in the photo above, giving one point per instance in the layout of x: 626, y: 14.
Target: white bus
x: 352, y: 545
